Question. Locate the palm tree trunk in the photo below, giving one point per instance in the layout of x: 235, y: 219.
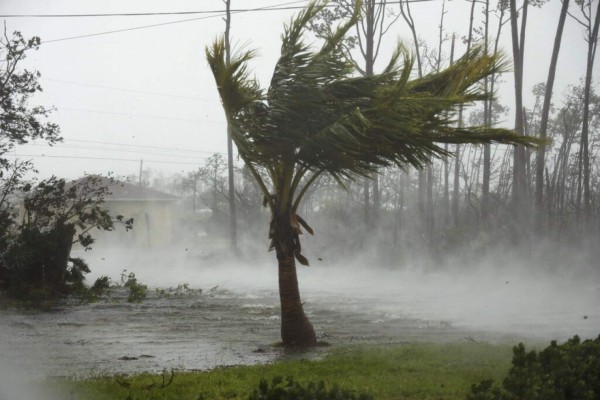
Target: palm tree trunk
x: 296, y: 329
x: 230, y: 175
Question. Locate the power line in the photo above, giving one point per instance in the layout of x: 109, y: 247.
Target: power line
x: 136, y: 115
x: 141, y: 146
x: 101, y: 158
x: 159, y: 24
x: 129, y: 148
x: 276, y: 7
x: 125, y: 30
x: 128, y: 90
x: 66, y: 146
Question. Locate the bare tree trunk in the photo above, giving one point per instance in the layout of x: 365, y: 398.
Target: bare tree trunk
x: 559, y: 175
x: 406, y: 14
x: 230, y: 176
x: 518, y: 45
x: 430, y: 215
x: 579, y: 184
x: 422, y: 180
x: 592, y: 43
x: 399, y: 206
x: 487, y: 117
x: 570, y: 139
x: 369, y: 63
x: 489, y: 114
x: 421, y: 193
x: 446, y: 163
x: 485, y: 187
x: 455, y: 197
x: 370, y: 34
x: 366, y: 202
x: 541, y: 152
x: 446, y: 198
x: 194, y: 194
x: 527, y: 132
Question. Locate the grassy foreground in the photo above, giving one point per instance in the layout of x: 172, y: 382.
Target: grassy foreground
x: 410, y: 371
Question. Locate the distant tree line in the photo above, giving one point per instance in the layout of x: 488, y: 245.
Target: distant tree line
x: 452, y: 218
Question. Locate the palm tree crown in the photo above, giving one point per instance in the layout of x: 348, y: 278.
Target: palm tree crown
x: 318, y: 116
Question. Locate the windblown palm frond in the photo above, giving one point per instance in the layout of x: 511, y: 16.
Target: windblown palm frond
x: 235, y: 87
x: 318, y: 116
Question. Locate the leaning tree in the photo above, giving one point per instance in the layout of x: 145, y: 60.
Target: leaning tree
x: 319, y: 116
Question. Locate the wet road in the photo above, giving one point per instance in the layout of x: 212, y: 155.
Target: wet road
x: 238, y: 322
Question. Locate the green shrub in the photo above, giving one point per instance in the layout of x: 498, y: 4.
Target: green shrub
x: 287, y: 389
x: 569, y: 371
x: 137, y: 291
x: 36, y: 266
x: 100, y: 287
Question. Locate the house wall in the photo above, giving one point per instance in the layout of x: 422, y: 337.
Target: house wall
x: 153, y: 225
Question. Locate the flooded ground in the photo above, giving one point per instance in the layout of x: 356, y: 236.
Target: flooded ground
x: 218, y: 327
x: 235, y: 318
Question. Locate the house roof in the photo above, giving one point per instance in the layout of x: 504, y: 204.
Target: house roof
x: 124, y: 191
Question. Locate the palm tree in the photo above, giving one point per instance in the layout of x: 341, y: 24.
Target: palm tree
x: 319, y: 116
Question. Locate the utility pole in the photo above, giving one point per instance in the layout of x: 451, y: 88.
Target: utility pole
x: 231, y: 191
x: 140, y: 175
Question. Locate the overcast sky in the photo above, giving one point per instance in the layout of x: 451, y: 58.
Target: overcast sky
x: 147, y: 94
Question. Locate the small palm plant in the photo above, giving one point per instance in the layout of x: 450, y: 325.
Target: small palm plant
x: 319, y: 116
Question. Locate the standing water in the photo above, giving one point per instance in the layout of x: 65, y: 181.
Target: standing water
x: 234, y: 319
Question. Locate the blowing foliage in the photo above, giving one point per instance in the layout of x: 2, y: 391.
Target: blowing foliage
x: 40, y: 221
x: 36, y: 262
x: 320, y: 116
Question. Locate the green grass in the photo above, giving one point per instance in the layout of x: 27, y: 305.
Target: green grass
x: 411, y: 371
